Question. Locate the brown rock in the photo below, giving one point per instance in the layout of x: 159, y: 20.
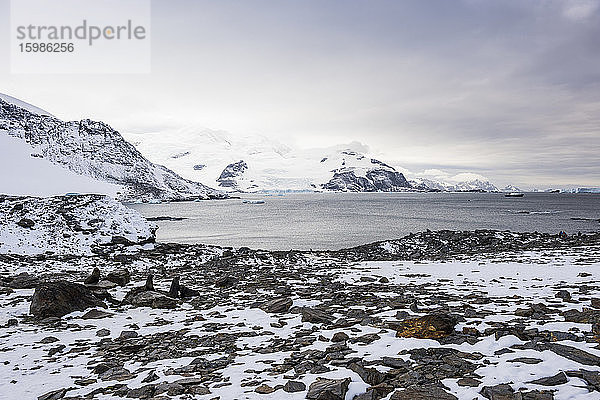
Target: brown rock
x: 432, y: 326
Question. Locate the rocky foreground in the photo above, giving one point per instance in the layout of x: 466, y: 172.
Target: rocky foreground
x: 435, y: 315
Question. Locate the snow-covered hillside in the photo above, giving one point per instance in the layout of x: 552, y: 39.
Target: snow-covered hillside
x: 31, y: 175
x: 68, y: 224
x: 435, y: 179
x: 92, y: 149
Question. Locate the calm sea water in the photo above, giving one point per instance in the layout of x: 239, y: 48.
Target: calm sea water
x: 337, y: 220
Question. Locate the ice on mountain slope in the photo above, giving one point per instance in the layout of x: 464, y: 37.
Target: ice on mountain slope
x: 68, y: 224
x: 26, y: 174
x: 95, y: 150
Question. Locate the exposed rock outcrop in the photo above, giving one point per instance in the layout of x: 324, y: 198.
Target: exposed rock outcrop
x: 56, y: 299
x: 96, y: 150
x: 228, y: 177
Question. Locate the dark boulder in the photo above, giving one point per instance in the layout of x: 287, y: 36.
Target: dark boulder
x: 25, y: 223
x: 279, y: 305
x: 59, y: 298
x: 294, y: 386
x: 121, y: 277
x: 315, y: 316
x: 328, y: 389
x: 499, y: 392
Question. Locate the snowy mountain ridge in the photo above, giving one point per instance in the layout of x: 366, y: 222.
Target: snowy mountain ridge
x: 94, y: 149
x: 256, y: 163
x: 197, y: 159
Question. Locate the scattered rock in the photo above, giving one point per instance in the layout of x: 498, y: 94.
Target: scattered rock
x: 427, y: 392
x: 96, y: 314
x: 264, y: 389
x: 574, y: 354
x: 121, y: 277
x: 128, y: 335
x: 315, y: 316
x: 279, y: 305
x: 339, y: 337
x: 26, y: 223
x: 54, y: 395
x: 294, y: 386
x: 154, y: 300
x: 328, y: 389
x: 471, y: 382
x: 225, y: 282
x: 48, y: 339
x: 24, y: 281
x: 151, y: 377
x: 499, y: 392
x: 557, y: 379
x: 563, y: 294
x: 116, y: 373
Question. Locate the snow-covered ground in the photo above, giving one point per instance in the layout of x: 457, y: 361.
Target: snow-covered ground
x: 71, y: 224
x: 252, y: 344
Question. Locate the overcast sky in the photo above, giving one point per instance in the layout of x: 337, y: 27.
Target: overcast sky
x: 508, y: 89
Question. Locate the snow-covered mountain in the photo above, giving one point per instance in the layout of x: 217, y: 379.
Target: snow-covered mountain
x: 92, y: 149
x: 511, y: 189
x: 256, y: 163
x: 440, y: 181
x: 85, y: 156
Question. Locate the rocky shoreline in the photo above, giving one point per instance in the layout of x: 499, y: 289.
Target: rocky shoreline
x: 434, y: 315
